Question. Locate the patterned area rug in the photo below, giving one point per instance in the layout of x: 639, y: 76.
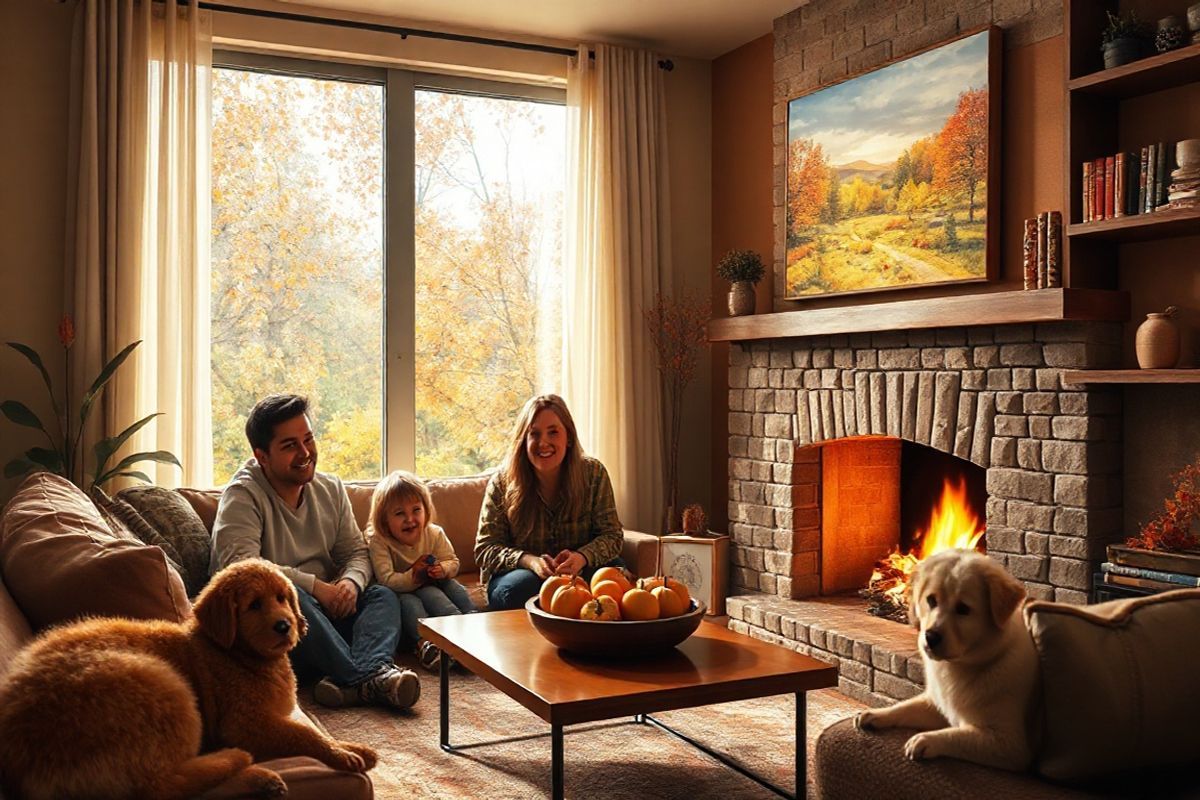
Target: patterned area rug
x: 616, y: 760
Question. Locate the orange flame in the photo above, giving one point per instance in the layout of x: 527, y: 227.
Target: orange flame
x: 951, y: 525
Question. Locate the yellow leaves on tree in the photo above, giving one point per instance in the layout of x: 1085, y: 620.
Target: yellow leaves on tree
x: 961, y: 151
x: 860, y: 197
x: 807, y: 184
x: 914, y: 198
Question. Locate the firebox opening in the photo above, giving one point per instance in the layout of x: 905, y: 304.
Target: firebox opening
x: 886, y: 502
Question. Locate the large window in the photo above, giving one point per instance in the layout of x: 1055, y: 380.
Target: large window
x: 417, y: 306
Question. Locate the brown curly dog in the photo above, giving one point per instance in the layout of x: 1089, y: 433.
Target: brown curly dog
x: 121, y: 708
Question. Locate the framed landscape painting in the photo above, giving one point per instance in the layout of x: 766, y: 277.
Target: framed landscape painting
x: 893, y: 175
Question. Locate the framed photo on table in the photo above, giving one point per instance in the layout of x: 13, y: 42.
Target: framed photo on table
x: 699, y: 562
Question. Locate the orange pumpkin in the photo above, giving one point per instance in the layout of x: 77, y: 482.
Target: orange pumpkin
x: 611, y: 574
x: 549, y: 587
x: 609, y: 588
x: 601, y: 607
x: 569, y: 600
x: 669, y: 603
x: 651, y: 583
x: 681, y: 590
x: 638, y: 604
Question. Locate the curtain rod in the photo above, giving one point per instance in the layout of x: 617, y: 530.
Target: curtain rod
x: 663, y: 63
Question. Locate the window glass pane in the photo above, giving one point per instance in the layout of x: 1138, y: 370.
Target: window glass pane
x: 489, y: 191
x: 297, y: 258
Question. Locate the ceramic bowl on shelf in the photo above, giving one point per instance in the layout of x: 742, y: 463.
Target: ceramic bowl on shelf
x: 616, y: 638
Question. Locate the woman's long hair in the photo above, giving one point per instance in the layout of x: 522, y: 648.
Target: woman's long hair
x: 520, y: 479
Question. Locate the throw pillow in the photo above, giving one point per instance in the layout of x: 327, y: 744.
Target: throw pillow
x: 1118, y: 683
x: 174, y: 519
x: 61, y: 562
x: 125, y: 519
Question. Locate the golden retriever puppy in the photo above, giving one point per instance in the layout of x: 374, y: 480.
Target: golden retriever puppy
x: 120, y: 708
x: 980, y: 665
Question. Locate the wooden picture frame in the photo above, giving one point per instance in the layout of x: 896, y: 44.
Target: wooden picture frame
x: 892, y: 176
x: 699, y: 562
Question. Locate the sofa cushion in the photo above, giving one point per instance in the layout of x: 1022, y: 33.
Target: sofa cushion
x: 14, y: 629
x: 125, y: 520
x: 174, y: 519
x: 60, y: 561
x: 456, y: 503
x: 1118, y: 683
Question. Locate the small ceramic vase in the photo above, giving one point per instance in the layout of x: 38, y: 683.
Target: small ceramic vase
x: 1170, y: 34
x: 741, y: 299
x: 1157, y: 341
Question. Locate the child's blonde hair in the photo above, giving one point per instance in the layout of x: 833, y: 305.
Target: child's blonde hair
x: 397, y: 487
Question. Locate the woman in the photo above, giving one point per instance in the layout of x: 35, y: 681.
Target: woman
x: 548, y: 509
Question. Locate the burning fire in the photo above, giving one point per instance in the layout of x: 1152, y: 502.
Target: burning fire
x: 952, y: 525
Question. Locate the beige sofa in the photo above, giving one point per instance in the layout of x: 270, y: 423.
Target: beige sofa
x: 60, y: 559
x: 1118, y: 709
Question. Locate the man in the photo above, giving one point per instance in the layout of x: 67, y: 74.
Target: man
x: 280, y: 508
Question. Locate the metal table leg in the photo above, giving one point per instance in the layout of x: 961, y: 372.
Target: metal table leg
x: 556, y: 762
x: 801, y: 745
x: 444, y: 702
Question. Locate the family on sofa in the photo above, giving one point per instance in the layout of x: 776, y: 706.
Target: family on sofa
x: 548, y: 509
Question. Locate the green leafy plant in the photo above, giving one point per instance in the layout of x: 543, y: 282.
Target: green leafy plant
x: 62, y: 456
x: 1124, y: 27
x: 741, y: 265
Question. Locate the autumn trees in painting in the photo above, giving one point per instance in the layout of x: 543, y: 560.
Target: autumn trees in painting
x: 887, y: 176
x: 297, y: 266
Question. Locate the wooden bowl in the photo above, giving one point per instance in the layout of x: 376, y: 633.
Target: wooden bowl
x: 614, y: 639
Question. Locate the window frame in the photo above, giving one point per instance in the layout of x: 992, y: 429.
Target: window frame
x: 400, y: 85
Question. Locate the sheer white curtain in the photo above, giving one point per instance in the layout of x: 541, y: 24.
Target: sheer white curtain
x: 618, y: 258
x: 138, y: 222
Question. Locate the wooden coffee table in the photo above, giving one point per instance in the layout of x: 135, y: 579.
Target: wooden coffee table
x: 715, y: 665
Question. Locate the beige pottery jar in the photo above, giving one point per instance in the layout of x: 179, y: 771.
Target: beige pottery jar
x: 1157, y: 341
x: 741, y: 299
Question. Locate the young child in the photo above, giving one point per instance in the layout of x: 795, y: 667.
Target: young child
x: 414, y: 558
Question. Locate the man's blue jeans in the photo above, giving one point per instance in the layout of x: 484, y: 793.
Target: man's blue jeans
x: 511, y: 589
x: 438, y: 599
x: 351, y: 649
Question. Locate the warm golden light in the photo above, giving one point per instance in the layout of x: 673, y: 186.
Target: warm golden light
x: 951, y: 525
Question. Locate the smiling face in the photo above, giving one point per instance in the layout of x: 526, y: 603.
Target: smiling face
x: 546, y: 443
x: 406, y: 518
x: 291, y: 458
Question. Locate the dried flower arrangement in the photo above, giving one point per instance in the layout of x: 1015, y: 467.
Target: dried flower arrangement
x: 694, y: 519
x: 1174, y: 529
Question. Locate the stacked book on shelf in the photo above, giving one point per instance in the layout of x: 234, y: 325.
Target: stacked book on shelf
x: 1151, y: 570
x: 1125, y: 184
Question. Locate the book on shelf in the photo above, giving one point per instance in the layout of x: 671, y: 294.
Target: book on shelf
x: 1041, y: 251
x: 1151, y: 166
x: 1160, y: 172
x: 1119, y: 186
x: 1029, y: 254
x: 1183, y: 563
x: 1098, y: 201
x: 1110, y: 187
x: 1140, y: 583
x: 1176, y: 578
x: 1054, y: 249
x: 1140, y: 204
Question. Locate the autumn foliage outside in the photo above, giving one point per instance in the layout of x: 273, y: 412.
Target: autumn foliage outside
x: 297, y: 263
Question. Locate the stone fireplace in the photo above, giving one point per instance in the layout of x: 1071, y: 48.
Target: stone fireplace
x: 807, y: 411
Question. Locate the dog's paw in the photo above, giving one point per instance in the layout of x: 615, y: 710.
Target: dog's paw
x: 920, y: 747
x: 262, y: 782
x: 367, y: 754
x: 346, y: 760
x: 865, y: 721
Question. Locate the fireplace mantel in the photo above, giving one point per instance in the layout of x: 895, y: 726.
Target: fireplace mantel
x: 993, y: 308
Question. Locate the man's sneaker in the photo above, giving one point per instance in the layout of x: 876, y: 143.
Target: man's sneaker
x: 330, y: 695
x: 391, y: 686
x: 430, y: 656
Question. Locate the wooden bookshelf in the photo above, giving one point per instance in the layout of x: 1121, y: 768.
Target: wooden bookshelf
x: 993, y: 308
x: 1140, y: 227
x: 1130, y: 376
x: 1153, y: 74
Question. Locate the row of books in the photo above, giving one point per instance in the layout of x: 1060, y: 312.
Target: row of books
x: 1128, y: 183
x: 1152, y: 570
x: 1041, y: 252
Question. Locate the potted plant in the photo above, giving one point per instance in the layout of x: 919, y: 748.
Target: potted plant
x: 1124, y: 39
x: 743, y: 269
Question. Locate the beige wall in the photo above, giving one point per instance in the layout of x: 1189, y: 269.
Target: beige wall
x: 34, y: 64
